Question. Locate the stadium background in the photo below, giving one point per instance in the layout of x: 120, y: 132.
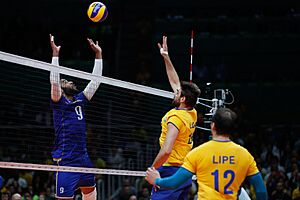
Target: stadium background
x: 249, y: 47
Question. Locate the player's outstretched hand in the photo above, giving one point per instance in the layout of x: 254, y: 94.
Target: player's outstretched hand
x: 55, y: 49
x: 163, y: 48
x: 95, y: 47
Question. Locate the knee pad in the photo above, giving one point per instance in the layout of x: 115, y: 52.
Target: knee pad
x: 90, y: 196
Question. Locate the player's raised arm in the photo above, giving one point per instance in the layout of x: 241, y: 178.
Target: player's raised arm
x: 171, y: 72
x: 93, y: 85
x: 54, y: 75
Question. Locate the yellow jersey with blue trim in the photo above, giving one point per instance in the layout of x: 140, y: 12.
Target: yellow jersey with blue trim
x: 220, y: 167
x: 185, y: 122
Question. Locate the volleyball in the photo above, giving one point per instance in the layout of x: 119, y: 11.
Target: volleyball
x: 97, y: 12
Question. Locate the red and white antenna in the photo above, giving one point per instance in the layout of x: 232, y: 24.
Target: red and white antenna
x: 191, y: 53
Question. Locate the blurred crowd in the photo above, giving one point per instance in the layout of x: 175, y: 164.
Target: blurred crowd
x: 276, y: 151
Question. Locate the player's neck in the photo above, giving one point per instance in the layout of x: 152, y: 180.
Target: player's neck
x: 69, y: 97
x: 220, y: 137
x: 183, y: 107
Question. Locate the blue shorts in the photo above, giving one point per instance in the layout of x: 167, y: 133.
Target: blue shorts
x: 68, y: 182
x: 180, y: 193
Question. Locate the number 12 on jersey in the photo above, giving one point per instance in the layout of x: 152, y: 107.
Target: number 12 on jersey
x: 227, y: 174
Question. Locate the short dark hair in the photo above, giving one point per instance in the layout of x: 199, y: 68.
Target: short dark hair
x: 191, y: 93
x: 225, y: 121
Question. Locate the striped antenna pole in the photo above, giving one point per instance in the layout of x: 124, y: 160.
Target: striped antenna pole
x: 191, y: 53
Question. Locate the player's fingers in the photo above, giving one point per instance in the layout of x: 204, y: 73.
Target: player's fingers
x: 147, y: 179
x: 165, y: 40
x: 51, y: 38
x: 97, y: 43
x: 165, y: 45
x: 90, y: 41
x: 159, y: 45
x: 148, y: 170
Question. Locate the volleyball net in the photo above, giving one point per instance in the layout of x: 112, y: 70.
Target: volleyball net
x: 123, y: 119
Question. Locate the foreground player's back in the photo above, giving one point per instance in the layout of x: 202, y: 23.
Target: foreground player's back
x: 221, y: 167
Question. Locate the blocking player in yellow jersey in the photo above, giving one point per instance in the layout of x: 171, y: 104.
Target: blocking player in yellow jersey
x: 220, y: 165
x: 178, y: 126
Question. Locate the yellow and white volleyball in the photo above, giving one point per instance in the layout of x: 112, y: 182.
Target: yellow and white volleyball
x: 97, y: 12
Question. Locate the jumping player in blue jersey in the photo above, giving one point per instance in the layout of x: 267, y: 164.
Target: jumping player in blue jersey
x: 70, y: 128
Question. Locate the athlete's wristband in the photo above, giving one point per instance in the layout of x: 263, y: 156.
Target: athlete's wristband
x: 55, y: 61
x: 156, y: 182
x: 97, y: 70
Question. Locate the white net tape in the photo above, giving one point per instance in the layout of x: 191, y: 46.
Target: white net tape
x: 27, y: 166
x: 84, y: 75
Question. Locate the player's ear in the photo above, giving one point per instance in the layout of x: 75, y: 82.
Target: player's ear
x: 182, y: 99
x: 213, y: 126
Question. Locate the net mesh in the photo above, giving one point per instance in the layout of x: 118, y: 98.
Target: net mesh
x: 120, y: 122
x: 122, y: 119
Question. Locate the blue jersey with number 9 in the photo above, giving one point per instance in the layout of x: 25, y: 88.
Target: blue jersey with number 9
x: 70, y: 128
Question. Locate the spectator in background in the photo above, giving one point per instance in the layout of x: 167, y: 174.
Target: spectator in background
x: 115, y: 159
x: 124, y: 192
x: 132, y: 197
x: 27, y: 196
x: 42, y: 196
x: 5, y: 196
x: 294, y: 177
x: 285, y: 155
x: 280, y: 193
x: 296, y: 193
x: 144, y: 194
x: 49, y: 195
x: 272, y: 178
x: 16, y: 196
